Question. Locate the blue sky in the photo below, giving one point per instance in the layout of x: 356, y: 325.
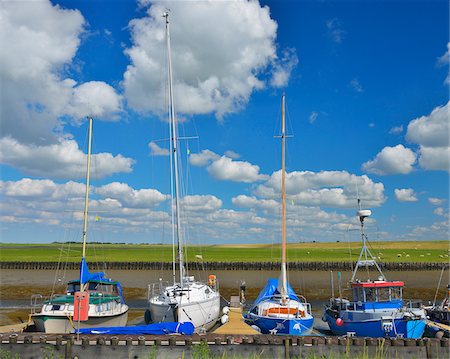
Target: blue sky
x: 367, y: 91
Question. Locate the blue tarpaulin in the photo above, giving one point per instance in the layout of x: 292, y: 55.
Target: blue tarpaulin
x: 271, y: 289
x: 86, y: 276
x: 186, y: 328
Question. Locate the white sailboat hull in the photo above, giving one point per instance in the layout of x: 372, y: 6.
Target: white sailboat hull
x: 60, y: 321
x: 194, y: 305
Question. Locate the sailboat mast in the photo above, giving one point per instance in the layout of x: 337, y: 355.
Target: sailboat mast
x: 86, y: 197
x: 174, y: 141
x: 283, y: 201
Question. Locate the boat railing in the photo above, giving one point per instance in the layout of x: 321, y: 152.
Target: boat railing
x: 157, y: 289
x: 302, y: 299
x: 37, y: 301
x: 413, y: 303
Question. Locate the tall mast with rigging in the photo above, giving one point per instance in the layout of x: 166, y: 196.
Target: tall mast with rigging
x: 174, y: 154
x: 283, y: 203
x: 86, y: 196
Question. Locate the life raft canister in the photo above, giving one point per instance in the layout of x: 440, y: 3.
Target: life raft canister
x: 212, y: 280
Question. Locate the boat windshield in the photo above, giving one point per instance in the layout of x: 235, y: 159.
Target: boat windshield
x: 97, y: 287
x: 381, y: 294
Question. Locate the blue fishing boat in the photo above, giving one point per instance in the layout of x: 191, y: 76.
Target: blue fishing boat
x: 377, y: 308
x: 278, y: 309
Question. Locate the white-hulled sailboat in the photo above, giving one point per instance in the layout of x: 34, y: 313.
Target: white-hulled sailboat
x: 187, y: 300
x: 90, y: 301
x: 278, y: 309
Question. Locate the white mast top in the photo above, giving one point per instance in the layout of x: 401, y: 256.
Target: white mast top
x: 174, y: 154
x: 86, y: 197
x: 283, y: 205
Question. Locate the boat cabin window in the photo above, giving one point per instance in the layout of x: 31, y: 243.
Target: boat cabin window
x: 396, y: 293
x: 358, y: 294
x: 72, y: 288
x: 371, y: 294
x: 93, y: 287
x: 383, y: 294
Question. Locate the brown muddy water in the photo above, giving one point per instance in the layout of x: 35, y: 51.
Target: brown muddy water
x: 17, y: 286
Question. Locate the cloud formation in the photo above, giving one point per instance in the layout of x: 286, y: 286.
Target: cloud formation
x: 355, y: 85
x: 405, y: 195
x: 39, y: 41
x: 396, y: 130
x: 225, y: 168
x: 155, y: 150
x: 217, y: 64
x: 431, y: 133
x: 436, y: 201
x: 325, y: 188
x: 62, y: 160
x: 444, y: 60
x: 335, y: 30
x: 391, y: 160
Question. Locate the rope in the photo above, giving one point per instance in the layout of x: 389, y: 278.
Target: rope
x: 439, y: 284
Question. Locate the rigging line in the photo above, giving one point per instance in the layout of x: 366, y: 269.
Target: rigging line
x: 439, y: 284
x: 57, y: 268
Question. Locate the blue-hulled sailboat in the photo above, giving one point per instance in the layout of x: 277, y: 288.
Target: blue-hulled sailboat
x: 90, y: 301
x: 278, y: 309
x: 377, y: 308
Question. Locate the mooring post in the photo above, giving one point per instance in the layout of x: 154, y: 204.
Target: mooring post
x: 68, y: 349
x: 287, y: 344
x: 114, y: 341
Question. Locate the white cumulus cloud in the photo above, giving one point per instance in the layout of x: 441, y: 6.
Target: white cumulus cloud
x: 39, y: 40
x: 203, y: 158
x: 444, y: 60
x: 432, y: 130
x: 435, y: 158
x: 396, y: 130
x: 155, y: 150
x: 97, y: 99
x: 405, y: 195
x: 226, y: 169
x: 217, y: 63
x: 391, y: 160
x: 142, y: 198
x: 432, y: 134
x: 436, y: 201
x: 60, y: 160
x: 324, y: 188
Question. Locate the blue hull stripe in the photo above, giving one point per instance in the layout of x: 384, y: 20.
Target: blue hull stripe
x: 282, y: 326
x: 374, y: 328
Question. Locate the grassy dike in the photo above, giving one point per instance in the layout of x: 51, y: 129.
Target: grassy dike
x: 405, y: 252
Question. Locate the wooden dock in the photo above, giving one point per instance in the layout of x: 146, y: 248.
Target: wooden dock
x: 236, y: 324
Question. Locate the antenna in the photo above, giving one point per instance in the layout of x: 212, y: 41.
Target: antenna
x: 365, y: 257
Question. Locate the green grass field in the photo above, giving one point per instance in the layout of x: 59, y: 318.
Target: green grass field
x: 433, y: 251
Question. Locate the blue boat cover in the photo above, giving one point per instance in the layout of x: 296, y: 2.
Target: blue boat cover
x: 271, y: 289
x: 86, y: 276
x: 186, y: 328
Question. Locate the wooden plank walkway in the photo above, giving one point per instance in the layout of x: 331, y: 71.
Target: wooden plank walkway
x: 236, y: 324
